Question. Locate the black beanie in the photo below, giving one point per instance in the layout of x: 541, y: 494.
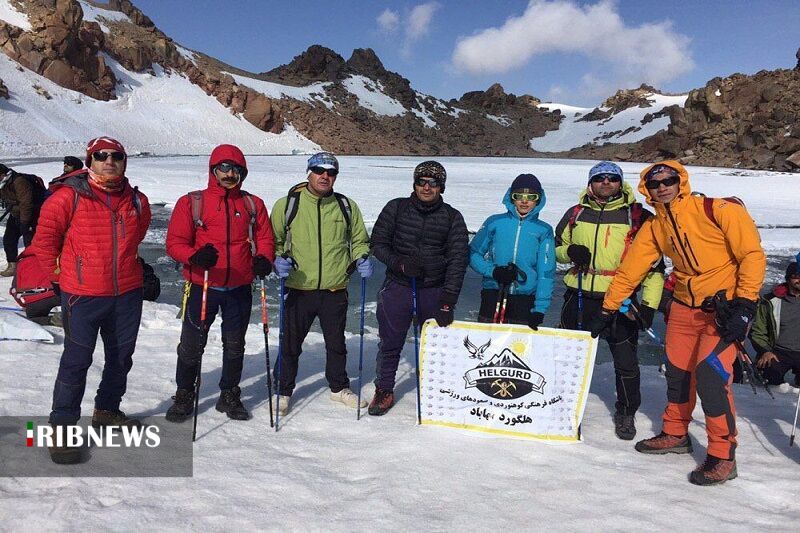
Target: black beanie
x: 73, y: 161
x: 3, y: 169
x: 431, y: 169
x: 527, y: 182
x: 791, y: 270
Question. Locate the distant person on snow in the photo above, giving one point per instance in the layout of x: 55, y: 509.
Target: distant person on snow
x: 417, y: 237
x: 515, y: 253
x: 226, y: 231
x: 321, y: 240
x: 87, y: 242
x: 71, y: 164
x: 595, y: 236
x: 776, y: 330
x: 719, y: 266
x: 21, y: 197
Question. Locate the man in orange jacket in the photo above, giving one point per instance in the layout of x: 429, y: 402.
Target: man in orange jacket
x: 714, y: 245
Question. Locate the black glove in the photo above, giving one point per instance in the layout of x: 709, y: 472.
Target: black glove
x: 601, y: 323
x: 27, y: 235
x: 580, y: 255
x: 409, y: 266
x: 505, y: 275
x: 56, y: 289
x: 535, y: 320
x: 646, y: 315
x: 261, y: 266
x: 447, y: 308
x: 205, y: 258
x: 151, y: 284
x: 732, y: 326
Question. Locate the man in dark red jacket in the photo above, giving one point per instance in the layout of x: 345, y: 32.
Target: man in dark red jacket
x: 87, y: 241
x: 227, y: 232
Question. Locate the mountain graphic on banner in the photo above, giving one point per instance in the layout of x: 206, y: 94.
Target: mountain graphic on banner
x: 507, y: 359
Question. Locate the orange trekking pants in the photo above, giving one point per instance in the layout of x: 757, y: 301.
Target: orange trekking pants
x: 695, y: 366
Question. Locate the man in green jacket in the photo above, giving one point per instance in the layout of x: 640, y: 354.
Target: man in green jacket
x: 320, y: 239
x: 595, y: 236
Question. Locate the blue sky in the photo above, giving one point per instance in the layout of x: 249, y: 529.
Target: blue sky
x: 568, y: 51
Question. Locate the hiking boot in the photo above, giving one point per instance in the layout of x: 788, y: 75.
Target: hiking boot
x: 63, y: 455
x: 663, y: 443
x: 347, y: 397
x: 10, y: 270
x: 230, y: 404
x: 713, y: 471
x: 624, y: 426
x: 282, y: 404
x: 105, y: 417
x: 381, y: 402
x: 182, y: 406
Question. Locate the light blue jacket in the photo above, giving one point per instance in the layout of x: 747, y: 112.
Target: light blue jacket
x: 527, y: 242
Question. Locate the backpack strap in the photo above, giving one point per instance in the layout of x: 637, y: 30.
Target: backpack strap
x: 708, y: 207
x: 250, y: 205
x: 196, y: 198
x: 293, y: 204
x: 635, y: 211
x: 573, y: 218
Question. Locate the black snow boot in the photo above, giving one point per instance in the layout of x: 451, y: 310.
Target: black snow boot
x: 182, y: 407
x: 624, y: 426
x: 229, y: 403
x: 104, y: 417
x: 63, y: 455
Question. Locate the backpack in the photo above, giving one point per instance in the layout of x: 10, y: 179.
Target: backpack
x: 196, y: 198
x: 30, y: 283
x: 37, y: 185
x: 293, y: 204
x: 708, y: 206
x: 635, y: 219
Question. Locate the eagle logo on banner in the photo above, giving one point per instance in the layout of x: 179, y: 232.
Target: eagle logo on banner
x: 505, y: 376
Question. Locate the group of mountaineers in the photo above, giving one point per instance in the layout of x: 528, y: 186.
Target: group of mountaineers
x: 85, y: 231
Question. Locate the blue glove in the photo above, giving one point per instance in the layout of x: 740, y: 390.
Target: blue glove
x: 284, y: 266
x: 364, y: 267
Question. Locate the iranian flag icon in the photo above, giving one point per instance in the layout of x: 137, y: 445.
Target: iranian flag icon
x: 29, y: 441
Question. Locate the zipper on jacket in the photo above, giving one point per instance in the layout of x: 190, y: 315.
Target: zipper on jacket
x: 594, y: 247
x: 685, y: 254
x: 227, y: 240
x: 78, y: 267
x: 122, y: 226
x: 319, y: 241
x: 114, y: 246
x: 689, y: 246
x: 514, y: 254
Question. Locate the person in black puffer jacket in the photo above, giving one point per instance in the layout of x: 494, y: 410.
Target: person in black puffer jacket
x: 421, y: 238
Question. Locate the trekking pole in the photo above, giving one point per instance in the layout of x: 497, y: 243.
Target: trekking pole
x: 198, y: 378
x: 500, y: 296
x: 361, y: 345
x: 753, y: 374
x: 415, y: 321
x: 794, y: 425
x: 280, y: 353
x: 265, y: 322
x: 580, y: 299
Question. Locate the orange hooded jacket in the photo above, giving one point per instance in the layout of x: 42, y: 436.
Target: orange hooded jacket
x: 707, y: 256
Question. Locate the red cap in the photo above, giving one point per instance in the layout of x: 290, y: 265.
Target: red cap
x: 102, y: 143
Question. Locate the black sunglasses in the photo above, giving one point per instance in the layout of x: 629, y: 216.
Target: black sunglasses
x: 102, y: 156
x: 667, y: 182
x: 433, y: 182
x: 332, y: 172
x: 227, y: 167
x: 600, y: 178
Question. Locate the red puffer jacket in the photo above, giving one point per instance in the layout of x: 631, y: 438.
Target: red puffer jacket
x: 225, y: 224
x: 91, y: 248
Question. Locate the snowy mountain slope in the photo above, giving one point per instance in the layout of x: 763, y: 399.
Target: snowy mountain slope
x: 627, y: 126
x: 12, y: 15
x: 162, y: 114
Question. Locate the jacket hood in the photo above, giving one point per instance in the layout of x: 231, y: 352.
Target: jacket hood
x: 625, y: 199
x: 225, y: 152
x: 534, y: 214
x: 685, y: 189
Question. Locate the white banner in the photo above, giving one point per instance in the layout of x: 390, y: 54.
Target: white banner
x: 506, y: 379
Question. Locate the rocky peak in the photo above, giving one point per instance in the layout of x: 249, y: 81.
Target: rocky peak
x: 124, y: 6
x: 627, y: 98
x: 315, y: 64
x: 495, y: 99
x: 365, y: 61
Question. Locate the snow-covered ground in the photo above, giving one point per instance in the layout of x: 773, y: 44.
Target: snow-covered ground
x: 574, y: 132
x: 325, y: 471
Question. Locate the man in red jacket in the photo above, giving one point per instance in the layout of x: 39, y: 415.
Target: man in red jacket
x: 87, y: 241
x: 225, y: 231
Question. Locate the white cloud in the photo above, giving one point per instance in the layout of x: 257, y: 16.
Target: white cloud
x: 652, y: 53
x: 388, y: 21
x: 418, y: 25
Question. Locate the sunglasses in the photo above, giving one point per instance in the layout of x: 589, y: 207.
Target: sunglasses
x: 600, y: 178
x: 224, y: 168
x: 666, y: 182
x: 102, y: 156
x: 432, y: 182
x: 332, y: 172
x: 525, y: 196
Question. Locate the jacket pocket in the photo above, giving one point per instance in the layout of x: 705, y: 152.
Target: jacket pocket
x: 78, y: 268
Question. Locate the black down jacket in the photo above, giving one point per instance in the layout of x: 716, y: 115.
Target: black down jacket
x: 435, y: 233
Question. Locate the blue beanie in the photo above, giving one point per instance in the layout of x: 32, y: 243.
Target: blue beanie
x: 324, y: 160
x: 528, y: 182
x: 606, y: 167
